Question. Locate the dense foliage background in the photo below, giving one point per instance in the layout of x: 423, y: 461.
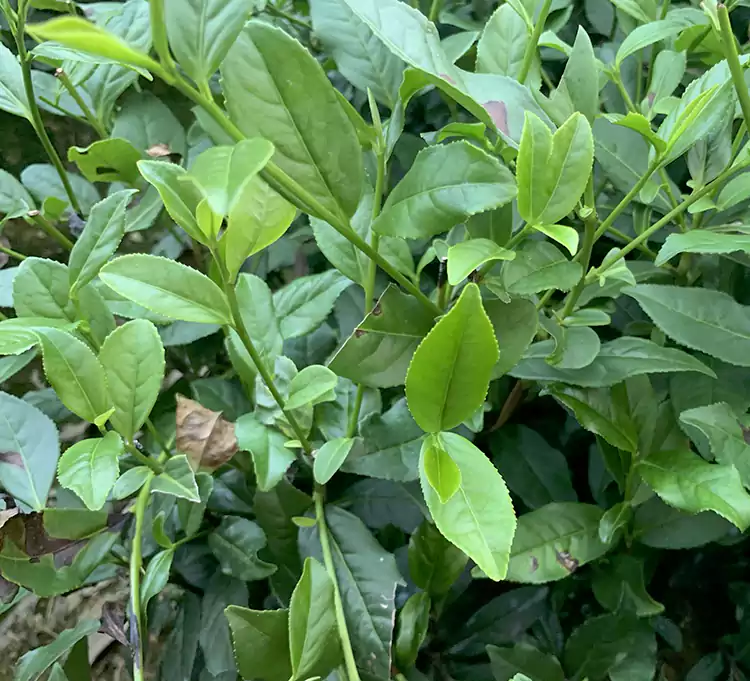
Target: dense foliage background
x: 374, y: 340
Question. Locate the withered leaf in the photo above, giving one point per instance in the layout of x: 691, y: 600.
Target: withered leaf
x: 203, y: 435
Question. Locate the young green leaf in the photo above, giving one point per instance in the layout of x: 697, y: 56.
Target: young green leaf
x: 502, y: 46
x: 90, y: 468
x: 313, y: 637
x: 261, y: 643
x: 702, y: 241
x: 539, y: 266
x: 440, y: 470
x: 702, y: 319
x: 467, y: 256
x: 157, y: 576
x: 222, y: 173
x: 40, y: 289
x: 413, y: 623
x: 312, y: 385
x: 479, y: 517
x: 330, y: 457
x: 271, y: 459
x: 177, y: 480
x: 579, y: 86
x: 449, y: 374
x: 688, y: 482
x: 104, y: 230
x: 275, y: 89
x: 553, y: 170
x: 12, y: 93
x: 434, y: 563
x: 30, y: 450
x: 77, y: 376
x: 168, y: 288
x: 180, y: 196
x: 445, y: 185
x: 133, y: 361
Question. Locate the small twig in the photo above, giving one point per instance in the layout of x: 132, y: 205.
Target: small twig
x: 511, y: 403
x: 531, y: 46
x: 93, y: 121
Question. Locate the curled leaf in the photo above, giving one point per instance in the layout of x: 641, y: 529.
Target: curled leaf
x: 203, y: 435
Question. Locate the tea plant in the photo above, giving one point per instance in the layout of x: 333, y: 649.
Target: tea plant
x: 383, y: 314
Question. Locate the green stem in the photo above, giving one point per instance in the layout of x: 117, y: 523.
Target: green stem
x: 239, y: 326
x: 300, y: 23
x: 589, y: 237
x: 626, y: 201
x: 50, y: 230
x: 325, y: 544
x: 672, y: 198
x: 136, y: 565
x: 93, y: 121
x: 300, y: 197
x: 669, y: 217
x: 159, y: 35
x: 435, y: 10
x: 13, y: 254
x: 617, y: 80
x: 733, y: 59
x: 531, y: 46
x: 142, y: 458
x: 36, y: 116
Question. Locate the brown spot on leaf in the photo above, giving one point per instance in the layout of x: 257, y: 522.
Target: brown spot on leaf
x: 534, y: 564
x: 12, y: 458
x: 567, y: 561
x: 377, y: 310
x: 745, y: 434
x: 203, y: 435
x: 499, y: 114
x: 159, y: 150
x: 358, y: 333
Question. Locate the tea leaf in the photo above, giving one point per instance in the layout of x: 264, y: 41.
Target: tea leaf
x: 203, y: 435
x: 271, y: 459
x: 236, y: 543
x: 445, y: 185
x: 688, y: 482
x: 30, y: 450
x: 539, y: 266
x: 109, y: 160
x: 553, y: 169
x: 440, y: 471
x: 313, y: 638
x: 76, y: 375
x: 554, y: 541
x: 312, y: 385
x: 503, y: 43
x: 133, y: 361
x: 261, y: 76
x: 413, y: 623
x: 479, y: 517
x: 450, y: 371
x: 104, y: 230
x: 167, y: 287
x: 90, y: 469
x: 261, y: 643
x: 177, y: 480
x: 330, y: 457
x: 157, y: 575
x: 705, y: 320
x: 524, y: 659
x: 467, y: 256
x: 201, y: 33
x: 12, y: 93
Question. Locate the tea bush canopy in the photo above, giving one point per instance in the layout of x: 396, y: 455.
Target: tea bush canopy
x: 372, y: 340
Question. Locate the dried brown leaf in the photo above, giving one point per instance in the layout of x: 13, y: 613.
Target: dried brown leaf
x: 203, y: 435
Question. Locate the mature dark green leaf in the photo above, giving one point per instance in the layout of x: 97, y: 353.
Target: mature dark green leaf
x: 524, y: 659
x: 413, y: 623
x: 303, y: 305
x: 688, y: 482
x: 12, y: 93
x: 380, y: 349
x: 108, y: 160
x: 539, y: 266
x: 40, y: 289
x: 535, y: 471
x: 235, y: 544
x: 33, y: 664
x: 42, y: 181
x: 367, y: 577
x: 167, y: 287
x: 434, y: 563
x: 146, y: 122
x: 30, y: 451
x: 479, y: 517
x: 215, y: 638
x: 620, y: 584
x: 515, y: 324
x: 261, y: 75
x: 503, y: 44
x: 445, y: 185
x: 554, y: 541
x: 449, y: 374
x: 90, y: 468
